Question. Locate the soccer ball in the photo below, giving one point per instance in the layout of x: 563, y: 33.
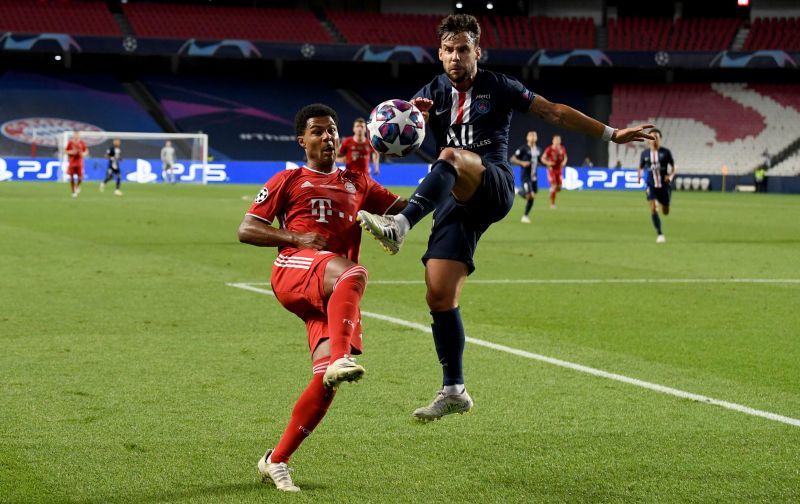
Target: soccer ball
x: 396, y: 128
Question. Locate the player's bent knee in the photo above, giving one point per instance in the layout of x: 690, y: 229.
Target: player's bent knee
x: 440, y: 301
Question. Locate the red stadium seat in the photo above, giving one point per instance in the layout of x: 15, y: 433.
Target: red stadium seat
x: 84, y: 18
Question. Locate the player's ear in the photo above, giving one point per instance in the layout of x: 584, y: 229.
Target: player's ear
x: 478, y: 52
x: 301, y: 141
x: 441, y: 53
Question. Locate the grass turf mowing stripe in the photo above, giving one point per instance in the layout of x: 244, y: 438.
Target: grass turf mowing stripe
x: 571, y: 365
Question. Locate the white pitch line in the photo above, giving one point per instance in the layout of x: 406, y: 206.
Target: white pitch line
x: 528, y: 281
x: 571, y: 365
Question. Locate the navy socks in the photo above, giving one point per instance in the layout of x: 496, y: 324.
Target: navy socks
x: 448, y: 336
x: 656, y: 222
x: 431, y: 192
x: 528, y: 206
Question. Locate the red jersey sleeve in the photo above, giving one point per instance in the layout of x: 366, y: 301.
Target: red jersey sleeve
x: 270, y: 200
x: 344, y: 149
x: 379, y: 199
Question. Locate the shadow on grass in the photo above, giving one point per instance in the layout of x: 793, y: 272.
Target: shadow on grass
x: 209, y: 492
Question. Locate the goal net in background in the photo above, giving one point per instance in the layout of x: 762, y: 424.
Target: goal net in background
x: 141, y: 155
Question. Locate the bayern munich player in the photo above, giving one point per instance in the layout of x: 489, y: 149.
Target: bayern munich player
x: 555, y: 158
x: 316, y: 275
x: 76, y: 151
x: 470, y: 186
x: 357, y: 150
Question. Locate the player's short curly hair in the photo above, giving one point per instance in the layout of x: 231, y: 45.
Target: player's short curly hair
x: 656, y: 130
x: 313, y: 110
x: 459, y: 23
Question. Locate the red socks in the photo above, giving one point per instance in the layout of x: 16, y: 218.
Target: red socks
x: 343, y: 309
x: 308, y: 411
x: 552, y: 197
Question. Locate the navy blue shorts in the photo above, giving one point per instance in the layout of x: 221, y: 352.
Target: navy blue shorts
x: 661, y: 194
x: 457, y: 227
x: 528, y: 186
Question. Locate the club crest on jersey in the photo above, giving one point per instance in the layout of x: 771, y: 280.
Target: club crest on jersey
x: 482, y: 106
x: 350, y: 187
x: 262, y: 195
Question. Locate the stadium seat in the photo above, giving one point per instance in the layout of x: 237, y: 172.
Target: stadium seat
x: 85, y: 18
x: 215, y: 22
x: 709, y: 125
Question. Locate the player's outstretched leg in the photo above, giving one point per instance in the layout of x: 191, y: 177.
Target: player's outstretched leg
x: 444, y: 279
x: 308, y: 412
x: 457, y: 172
x: 343, y: 319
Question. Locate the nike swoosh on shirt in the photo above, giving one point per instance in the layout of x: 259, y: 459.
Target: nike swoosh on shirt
x: 440, y: 112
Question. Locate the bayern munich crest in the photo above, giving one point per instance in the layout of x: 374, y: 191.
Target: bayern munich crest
x: 45, y: 130
x: 350, y: 187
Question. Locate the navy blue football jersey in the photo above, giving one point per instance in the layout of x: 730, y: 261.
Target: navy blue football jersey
x: 525, y: 153
x: 656, y: 165
x: 478, y: 119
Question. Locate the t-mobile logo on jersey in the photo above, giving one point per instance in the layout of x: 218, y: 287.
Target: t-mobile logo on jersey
x: 321, y: 207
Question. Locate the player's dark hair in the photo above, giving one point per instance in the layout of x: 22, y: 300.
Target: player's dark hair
x: 656, y: 130
x: 459, y: 23
x: 309, y: 111
x: 360, y: 120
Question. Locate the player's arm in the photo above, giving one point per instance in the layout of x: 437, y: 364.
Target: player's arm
x: 254, y: 231
x: 517, y: 161
x: 567, y: 117
x: 397, y: 206
x: 671, y: 174
x: 566, y: 158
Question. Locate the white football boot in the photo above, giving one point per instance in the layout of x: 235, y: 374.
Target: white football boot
x: 382, y: 228
x: 525, y: 219
x: 278, y: 473
x: 661, y: 239
x: 445, y: 404
x: 341, y: 370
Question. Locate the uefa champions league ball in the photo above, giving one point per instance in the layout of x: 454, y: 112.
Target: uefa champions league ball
x: 396, y: 128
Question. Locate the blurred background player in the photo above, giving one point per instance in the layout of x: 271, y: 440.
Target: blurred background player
x: 657, y: 160
x: 316, y: 275
x: 76, y: 151
x: 527, y: 157
x: 168, y: 162
x: 470, y: 186
x: 114, y: 156
x: 555, y: 157
x: 356, y: 151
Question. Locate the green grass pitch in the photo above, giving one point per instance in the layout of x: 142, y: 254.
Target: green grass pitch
x: 131, y: 372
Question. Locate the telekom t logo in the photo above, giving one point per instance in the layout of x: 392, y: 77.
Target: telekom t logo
x: 321, y: 207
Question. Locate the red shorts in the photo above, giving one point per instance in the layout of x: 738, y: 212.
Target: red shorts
x: 554, y: 176
x: 75, y: 170
x: 298, y: 281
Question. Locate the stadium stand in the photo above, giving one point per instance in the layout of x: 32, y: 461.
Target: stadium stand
x: 709, y: 125
x: 389, y: 29
x: 216, y: 22
x: 773, y: 33
x: 788, y: 167
x: 654, y: 34
x: 84, y: 18
x: 507, y: 32
x: 563, y: 33
x: 247, y: 119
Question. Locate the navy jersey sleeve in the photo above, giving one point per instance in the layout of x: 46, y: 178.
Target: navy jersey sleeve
x: 668, y: 159
x: 517, y: 95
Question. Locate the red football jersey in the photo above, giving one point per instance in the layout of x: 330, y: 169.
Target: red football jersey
x: 306, y: 200
x: 556, y: 155
x: 357, y: 154
x: 76, y: 159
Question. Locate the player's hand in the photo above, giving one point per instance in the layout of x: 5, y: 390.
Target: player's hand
x: 635, y: 134
x: 313, y: 241
x: 376, y: 172
x: 423, y: 104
